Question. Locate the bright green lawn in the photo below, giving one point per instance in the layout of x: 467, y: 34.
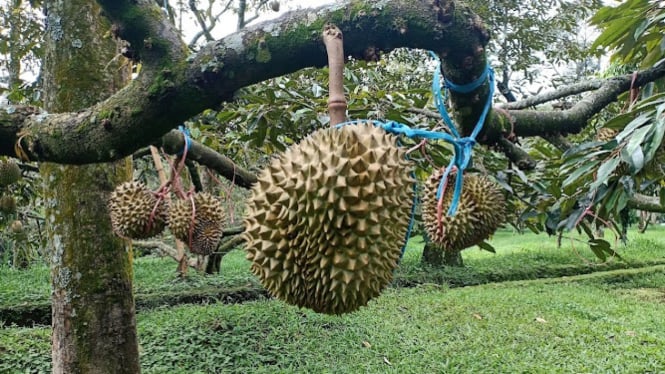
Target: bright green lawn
x: 592, y: 325
x: 525, y: 256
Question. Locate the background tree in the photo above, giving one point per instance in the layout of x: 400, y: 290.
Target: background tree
x: 21, y: 49
x: 93, y: 318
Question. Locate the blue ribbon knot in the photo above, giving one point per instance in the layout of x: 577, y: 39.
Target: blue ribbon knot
x: 462, y: 146
x: 188, y: 140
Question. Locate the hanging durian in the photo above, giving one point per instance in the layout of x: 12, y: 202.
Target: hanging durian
x: 132, y: 206
x: 10, y: 173
x: 7, y: 204
x: 481, y: 210
x: 326, y: 221
x: 205, y: 223
x: 605, y: 134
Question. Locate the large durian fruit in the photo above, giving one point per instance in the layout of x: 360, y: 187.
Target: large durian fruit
x: 481, y: 210
x: 205, y: 222
x: 326, y: 221
x: 131, y: 205
x: 10, y: 173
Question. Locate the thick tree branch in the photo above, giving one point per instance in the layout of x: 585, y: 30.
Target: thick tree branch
x: 174, y: 143
x: 534, y: 123
x: 646, y: 203
x: 516, y: 155
x: 171, y: 88
x: 545, y: 97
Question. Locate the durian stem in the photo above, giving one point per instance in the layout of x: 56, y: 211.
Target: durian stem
x: 180, y: 247
x: 332, y: 38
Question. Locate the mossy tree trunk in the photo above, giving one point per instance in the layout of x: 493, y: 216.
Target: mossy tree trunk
x: 94, y: 323
x: 436, y: 257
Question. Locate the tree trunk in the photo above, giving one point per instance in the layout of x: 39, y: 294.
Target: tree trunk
x: 453, y: 258
x: 437, y: 257
x: 94, y: 323
x: 14, y: 71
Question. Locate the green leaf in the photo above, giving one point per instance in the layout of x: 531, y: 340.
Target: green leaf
x: 600, y: 248
x: 637, y: 139
x: 586, y: 168
x: 486, y: 247
x: 634, y: 124
x: 640, y: 29
x: 636, y: 160
x: 662, y: 196
x: 587, y: 229
x: 604, y: 172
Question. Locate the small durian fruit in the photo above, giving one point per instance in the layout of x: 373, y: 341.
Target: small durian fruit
x: 654, y: 169
x: 206, y: 226
x: 480, y: 212
x: 10, y: 173
x: 16, y: 227
x: 327, y: 219
x: 7, y: 204
x: 605, y: 134
x: 132, y: 205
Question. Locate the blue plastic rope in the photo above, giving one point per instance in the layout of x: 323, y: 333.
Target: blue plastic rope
x: 463, y: 146
x: 188, y: 140
x: 412, y: 220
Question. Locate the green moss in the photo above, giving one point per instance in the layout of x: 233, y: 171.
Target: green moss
x: 160, y: 85
x: 105, y: 113
x: 263, y: 55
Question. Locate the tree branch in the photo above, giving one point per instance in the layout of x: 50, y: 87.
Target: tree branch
x: 545, y: 97
x: 172, y: 88
x: 646, y: 203
x: 571, y: 121
x: 516, y: 155
x: 202, y: 24
x: 213, y: 23
x: 174, y: 142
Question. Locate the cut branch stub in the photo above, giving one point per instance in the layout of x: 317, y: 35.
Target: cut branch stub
x: 332, y: 38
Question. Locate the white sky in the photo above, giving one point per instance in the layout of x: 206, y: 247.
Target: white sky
x: 229, y: 20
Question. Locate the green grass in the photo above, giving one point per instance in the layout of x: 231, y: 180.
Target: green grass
x: 525, y: 256
x: 562, y: 326
x: 608, y: 321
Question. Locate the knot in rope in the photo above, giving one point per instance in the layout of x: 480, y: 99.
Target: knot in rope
x: 188, y: 140
x: 463, y: 146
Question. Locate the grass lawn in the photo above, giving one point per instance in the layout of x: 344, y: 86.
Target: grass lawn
x: 579, y: 324
x: 525, y: 256
x: 603, y: 321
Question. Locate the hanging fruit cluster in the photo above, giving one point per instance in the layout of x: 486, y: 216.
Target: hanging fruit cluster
x: 10, y: 173
x: 198, y: 221
x: 139, y: 213
x: 480, y: 212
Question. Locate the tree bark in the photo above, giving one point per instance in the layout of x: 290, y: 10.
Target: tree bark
x: 437, y: 257
x: 432, y: 255
x: 453, y: 258
x: 93, y: 315
x: 173, y: 87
